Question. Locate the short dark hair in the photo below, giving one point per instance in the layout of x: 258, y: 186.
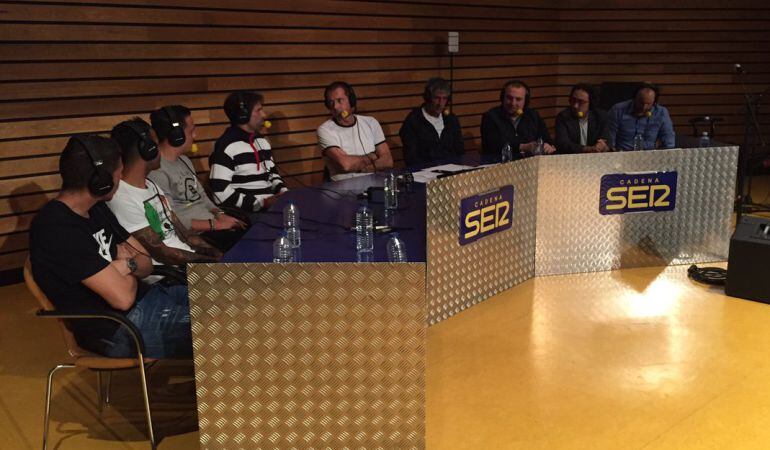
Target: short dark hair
x: 128, y: 140
x: 349, y: 93
x: 75, y: 165
x: 161, y: 122
x: 232, y: 107
x: 593, y: 101
x: 436, y: 84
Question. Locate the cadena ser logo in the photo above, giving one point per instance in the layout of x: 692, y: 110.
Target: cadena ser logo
x: 638, y: 192
x: 485, y: 214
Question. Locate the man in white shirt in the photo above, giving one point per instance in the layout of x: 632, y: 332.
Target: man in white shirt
x: 141, y: 206
x: 351, y: 144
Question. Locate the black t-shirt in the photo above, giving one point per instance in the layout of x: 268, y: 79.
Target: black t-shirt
x: 65, y: 249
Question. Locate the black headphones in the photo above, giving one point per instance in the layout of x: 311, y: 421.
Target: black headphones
x: 647, y: 85
x: 243, y: 111
x: 348, y: 91
x: 527, y: 93
x: 176, y: 135
x: 100, y: 183
x: 148, y: 149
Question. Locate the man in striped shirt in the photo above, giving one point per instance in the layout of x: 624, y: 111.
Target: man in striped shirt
x: 243, y: 174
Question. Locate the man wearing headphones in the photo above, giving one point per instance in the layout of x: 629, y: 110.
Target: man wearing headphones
x: 141, y: 205
x: 431, y: 132
x: 83, y: 259
x: 641, y: 120
x: 175, y: 129
x: 243, y: 173
x: 351, y: 144
x: 514, y: 123
x: 582, y: 128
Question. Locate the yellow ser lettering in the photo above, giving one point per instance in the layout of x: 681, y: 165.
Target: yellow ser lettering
x: 662, y: 200
x: 487, y: 218
x: 637, y: 193
x: 472, y: 224
x: 501, y: 217
x: 616, y: 198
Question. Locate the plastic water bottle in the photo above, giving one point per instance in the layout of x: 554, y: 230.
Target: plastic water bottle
x: 364, y: 257
x: 391, y: 194
x: 638, y: 142
x: 282, y: 251
x: 506, y: 153
x: 364, y: 230
x: 291, y: 224
x: 705, y: 140
x: 538, y: 147
x: 396, y: 249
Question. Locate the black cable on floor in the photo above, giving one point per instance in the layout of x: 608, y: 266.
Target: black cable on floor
x: 714, y: 276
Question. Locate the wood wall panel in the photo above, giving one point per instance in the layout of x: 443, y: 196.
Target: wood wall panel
x: 83, y: 65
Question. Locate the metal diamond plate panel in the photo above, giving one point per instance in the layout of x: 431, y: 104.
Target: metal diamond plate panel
x: 459, y: 276
x: 572, y: 236
x: 309, y: 355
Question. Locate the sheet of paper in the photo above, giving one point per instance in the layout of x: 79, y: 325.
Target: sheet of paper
x: 449, y: 168
x: 425, y: 176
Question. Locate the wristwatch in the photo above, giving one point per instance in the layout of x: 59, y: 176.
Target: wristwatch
x: 132, y: 266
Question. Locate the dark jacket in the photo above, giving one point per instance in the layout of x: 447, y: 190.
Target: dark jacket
x: 497, y: 129
x: 568, y: 130
x: 421, y: 142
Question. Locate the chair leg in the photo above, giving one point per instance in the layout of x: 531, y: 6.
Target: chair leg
x: 108, y: 389
x: 48, y: 400
x: 99, y: 389
x: 146, y: 396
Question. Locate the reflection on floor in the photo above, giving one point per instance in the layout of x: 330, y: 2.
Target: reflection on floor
x: 631, y: 359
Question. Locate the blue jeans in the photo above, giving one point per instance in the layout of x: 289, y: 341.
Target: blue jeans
x: 162, y: 316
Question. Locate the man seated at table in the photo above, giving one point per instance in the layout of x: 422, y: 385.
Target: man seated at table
x: 175, y: 129
x: 83, y: 260
x: 351, y: 144
x: 641, y: 123
x: 582, y: 127
x: 243, y: 174
x: 514, y: 123
x: 141, y: 205
x: 431, y: 132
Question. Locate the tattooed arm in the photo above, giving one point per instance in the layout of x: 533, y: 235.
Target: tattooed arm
x: 163, y: 253
x: 200, y: 246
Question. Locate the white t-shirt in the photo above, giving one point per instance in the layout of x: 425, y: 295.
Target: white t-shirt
x: 138, y: 208
x: 583, y: 131
x: 437, y: 122
x: 359, y: 139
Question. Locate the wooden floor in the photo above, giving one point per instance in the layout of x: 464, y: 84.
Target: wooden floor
x: 631, y: 359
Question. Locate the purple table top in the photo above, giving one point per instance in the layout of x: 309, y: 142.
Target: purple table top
x: 327, y: 215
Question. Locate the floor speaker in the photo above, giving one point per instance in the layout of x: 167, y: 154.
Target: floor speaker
x: 748, y: 275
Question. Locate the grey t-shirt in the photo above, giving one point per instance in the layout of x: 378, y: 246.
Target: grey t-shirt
x: 182, y: 188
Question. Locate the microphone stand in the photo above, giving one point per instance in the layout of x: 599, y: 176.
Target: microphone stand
x: 750, y: 121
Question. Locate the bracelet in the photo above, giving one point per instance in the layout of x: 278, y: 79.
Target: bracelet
x: 211, y: 224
